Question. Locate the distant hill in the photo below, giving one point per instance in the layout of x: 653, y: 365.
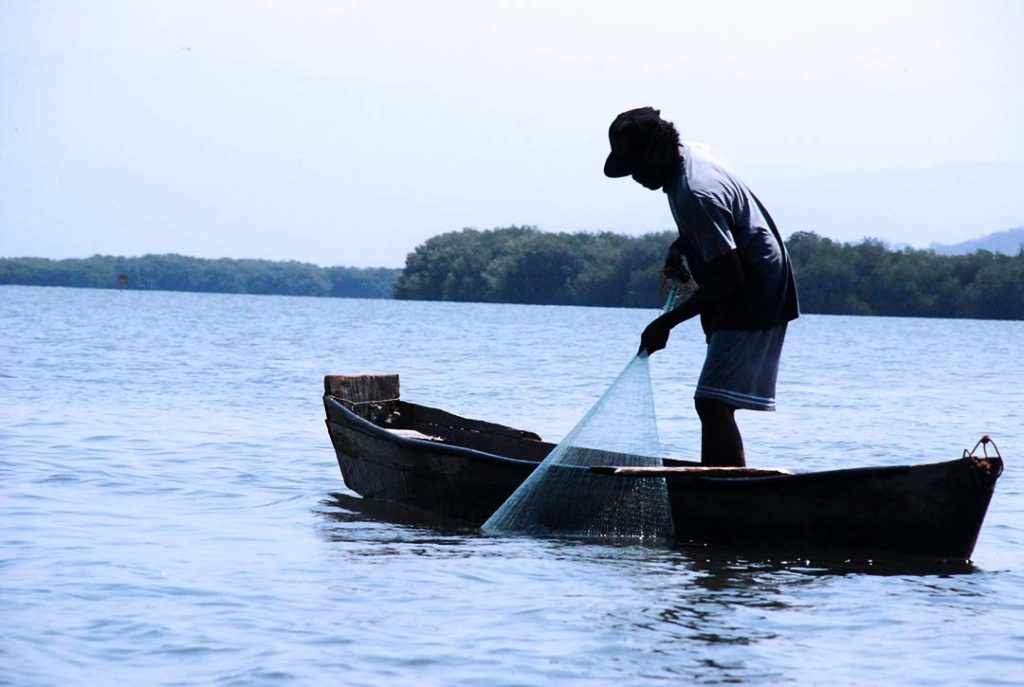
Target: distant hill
x: 1007, y: 242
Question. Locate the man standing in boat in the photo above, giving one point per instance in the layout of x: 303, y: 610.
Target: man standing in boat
x: 746, y: 293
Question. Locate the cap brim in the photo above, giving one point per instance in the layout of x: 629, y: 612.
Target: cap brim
x: 615, y: 167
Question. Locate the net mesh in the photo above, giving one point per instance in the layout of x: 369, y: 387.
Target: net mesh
x: 562, y: 497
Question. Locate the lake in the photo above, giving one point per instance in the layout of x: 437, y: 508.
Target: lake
x: 172, y: 513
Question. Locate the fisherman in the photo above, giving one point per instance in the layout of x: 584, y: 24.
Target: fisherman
x: 746, y: 294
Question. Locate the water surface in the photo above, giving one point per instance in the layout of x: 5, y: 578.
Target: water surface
x: 171, y: 511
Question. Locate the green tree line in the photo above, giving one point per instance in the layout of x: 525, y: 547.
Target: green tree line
x: 525, y: 265
x: 867, y: 278
x: 180, y: 273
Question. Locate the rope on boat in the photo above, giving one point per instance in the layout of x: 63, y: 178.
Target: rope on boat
x: 366, y: 403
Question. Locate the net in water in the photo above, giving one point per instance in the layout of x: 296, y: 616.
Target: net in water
x: 563, y: 497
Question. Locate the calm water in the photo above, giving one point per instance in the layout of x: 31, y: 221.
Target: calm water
x: 171, y: 511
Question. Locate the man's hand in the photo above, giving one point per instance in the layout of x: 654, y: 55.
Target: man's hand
x: 675, y: 264
x: 655, y: 336
x: 723, y: 276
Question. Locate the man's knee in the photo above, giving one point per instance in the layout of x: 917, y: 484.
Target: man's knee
x: 709, y: 409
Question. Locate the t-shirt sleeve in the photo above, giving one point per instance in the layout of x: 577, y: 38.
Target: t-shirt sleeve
x: 709, y: 224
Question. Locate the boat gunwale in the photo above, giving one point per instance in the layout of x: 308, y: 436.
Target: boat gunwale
x: 361, y: 424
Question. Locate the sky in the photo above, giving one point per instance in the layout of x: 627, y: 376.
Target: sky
x: 348, y: 133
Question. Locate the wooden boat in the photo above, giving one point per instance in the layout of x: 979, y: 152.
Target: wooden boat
x: 462, y: 470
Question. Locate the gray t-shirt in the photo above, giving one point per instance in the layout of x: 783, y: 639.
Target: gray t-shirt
x: 715, y: 213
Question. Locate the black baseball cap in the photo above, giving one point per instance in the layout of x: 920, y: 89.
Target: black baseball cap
x: 630, y: 134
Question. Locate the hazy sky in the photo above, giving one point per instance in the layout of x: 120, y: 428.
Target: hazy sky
x: 347, y: 133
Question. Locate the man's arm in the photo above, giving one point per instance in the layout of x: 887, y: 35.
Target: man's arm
x: 723, y: 276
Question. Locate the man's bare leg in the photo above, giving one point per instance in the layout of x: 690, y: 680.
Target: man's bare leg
x: 720, y: 442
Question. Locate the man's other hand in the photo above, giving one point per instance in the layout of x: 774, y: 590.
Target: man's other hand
x: 655, y: 337
x: 675, y: 264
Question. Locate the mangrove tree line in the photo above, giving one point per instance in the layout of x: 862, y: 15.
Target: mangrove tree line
x: 180, y: 273
x: 525, y: 265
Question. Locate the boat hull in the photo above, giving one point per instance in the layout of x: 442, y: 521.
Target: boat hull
x: 934, y: 509
x: 452, y: 482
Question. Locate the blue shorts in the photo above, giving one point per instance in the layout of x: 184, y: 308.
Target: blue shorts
x: 741, y: 367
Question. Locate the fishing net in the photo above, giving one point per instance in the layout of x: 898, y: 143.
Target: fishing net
x: 563, y: 497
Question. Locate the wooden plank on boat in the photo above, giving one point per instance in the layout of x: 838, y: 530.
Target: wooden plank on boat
x: 414, y: 434
x: 362, y: 388
x: 427, y: 416
x: 695, y: 471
